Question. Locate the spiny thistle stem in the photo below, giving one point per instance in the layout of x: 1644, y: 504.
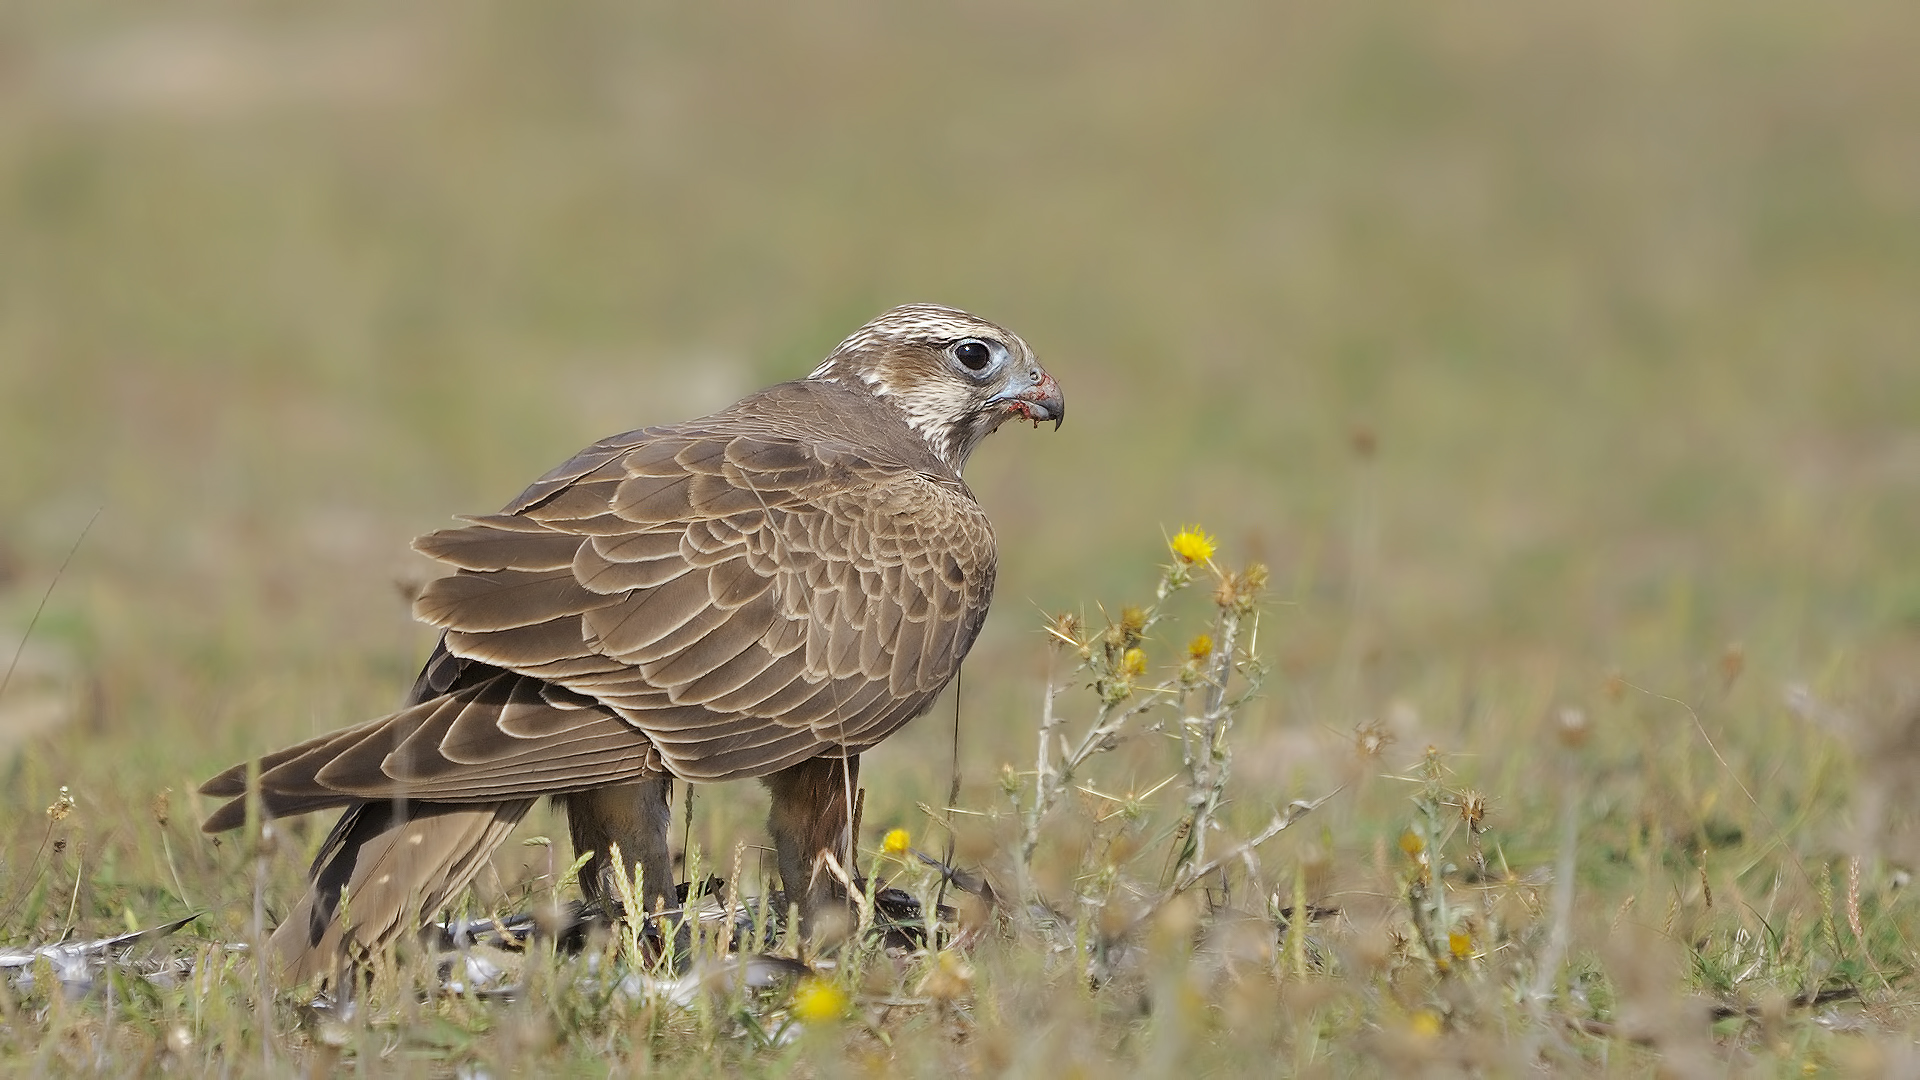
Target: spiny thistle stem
x: 1205, y: 749
x: 1118, y: 664
x: 1118, y: 706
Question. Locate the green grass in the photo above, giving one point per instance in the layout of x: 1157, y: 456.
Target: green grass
x: 1622, y: 295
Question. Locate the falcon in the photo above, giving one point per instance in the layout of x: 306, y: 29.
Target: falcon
x: 764, y: 592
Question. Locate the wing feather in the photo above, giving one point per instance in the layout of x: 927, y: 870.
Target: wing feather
x: 489, y: 547
x: 504, y: 599
x: 733, y: 635
x: 523, y: 647
x: 603, y: 573
x: 728, y: 677
x: 639, y: 618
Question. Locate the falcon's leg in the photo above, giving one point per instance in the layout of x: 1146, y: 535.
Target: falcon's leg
x: 634, y: 816
x: 812, y: 808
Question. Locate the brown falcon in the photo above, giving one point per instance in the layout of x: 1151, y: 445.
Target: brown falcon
x: 763, y: 592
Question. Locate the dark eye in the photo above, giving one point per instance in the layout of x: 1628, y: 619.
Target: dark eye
x: 973, y: 354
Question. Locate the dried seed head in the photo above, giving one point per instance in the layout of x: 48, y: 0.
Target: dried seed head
x: 1371, y: 739
x: 1240, y: 591
x: 1065, y: 628
x: 1133, y: 623
x: 162, y: 808
x: 62, y: 806
x: 1257, y: 576
x: 1473, y: 808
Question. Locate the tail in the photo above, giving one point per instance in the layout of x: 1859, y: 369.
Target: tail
x: 396, y: 864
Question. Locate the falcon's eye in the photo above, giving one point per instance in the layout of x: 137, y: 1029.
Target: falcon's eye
x: 973, y: 355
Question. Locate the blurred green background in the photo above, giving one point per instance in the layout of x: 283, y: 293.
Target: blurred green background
x: 1625, y: 296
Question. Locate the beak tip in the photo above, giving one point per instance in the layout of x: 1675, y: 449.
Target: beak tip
x: 1039, y: 402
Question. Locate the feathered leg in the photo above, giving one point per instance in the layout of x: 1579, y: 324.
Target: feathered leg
x: 811, y: 816
x: 636, y: 817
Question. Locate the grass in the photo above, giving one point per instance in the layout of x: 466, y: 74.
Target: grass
x: 1557, y: 363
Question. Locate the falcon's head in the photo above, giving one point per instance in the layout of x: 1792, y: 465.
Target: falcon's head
x: 955, y: 376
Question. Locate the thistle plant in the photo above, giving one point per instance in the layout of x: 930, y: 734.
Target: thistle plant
x: 1194, y: 699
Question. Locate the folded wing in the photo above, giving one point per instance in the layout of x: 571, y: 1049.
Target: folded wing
x: 704, y: 603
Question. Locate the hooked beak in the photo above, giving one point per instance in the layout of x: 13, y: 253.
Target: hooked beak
x: 1035, y: 398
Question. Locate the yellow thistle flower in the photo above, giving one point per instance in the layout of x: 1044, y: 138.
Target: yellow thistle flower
x: 1200, y: 647
x: 818, y: 1001
x: 896, y: 843
x: 1133, y: 663
x: 1192, y: 545
x: 1459, y: 944
x: 1426, y: 1023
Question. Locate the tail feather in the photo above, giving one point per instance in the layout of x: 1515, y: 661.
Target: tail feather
x: 396, y: 864
x: 231, y: 785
